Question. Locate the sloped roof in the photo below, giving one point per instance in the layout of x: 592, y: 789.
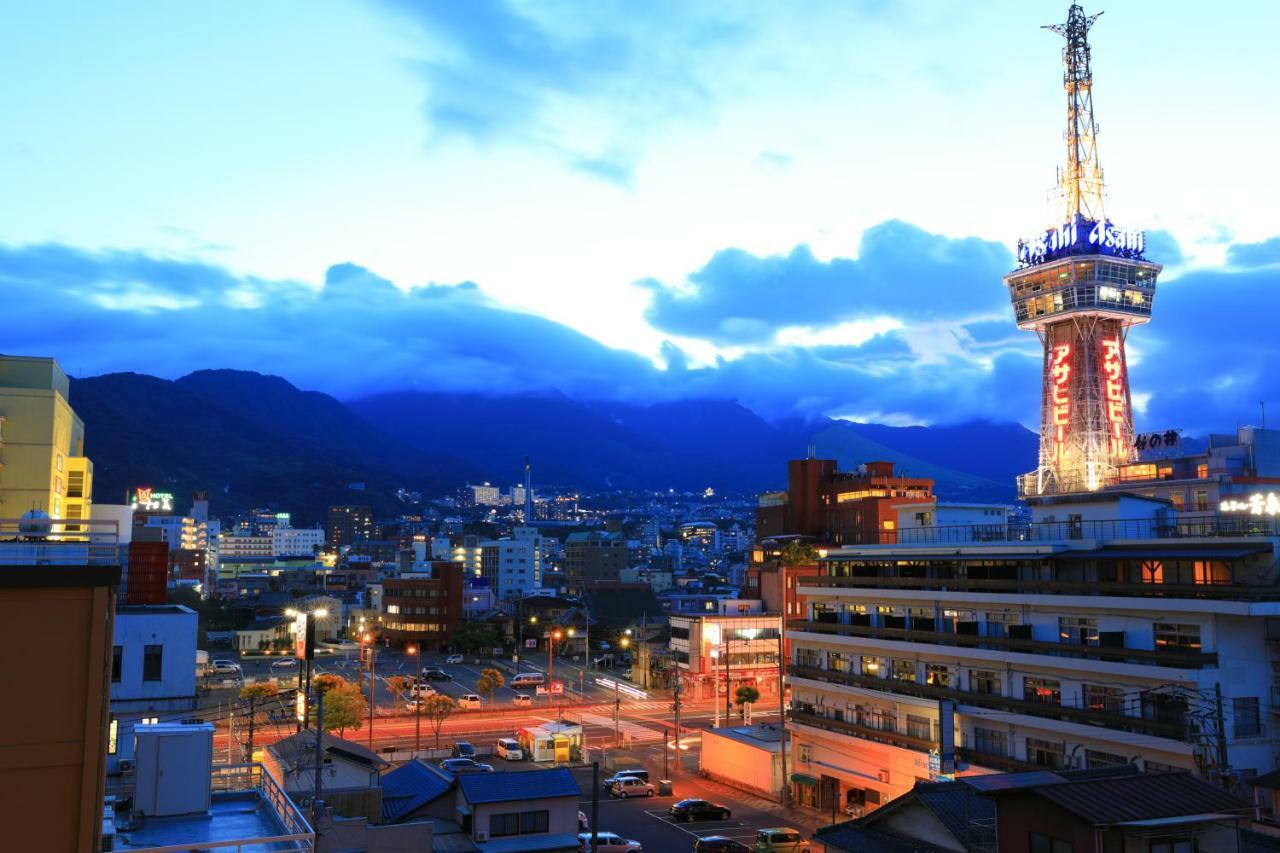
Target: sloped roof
x: 303, y: 744
x: 865, y: 839
x: 410, y: 787
x: 1145, y: 796
x: 520, y: 785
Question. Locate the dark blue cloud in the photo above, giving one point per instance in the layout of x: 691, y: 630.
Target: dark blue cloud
x: 1163, y: 248
x: 901, y: 270
x: 1205, y: 360
x: 1255, y: 254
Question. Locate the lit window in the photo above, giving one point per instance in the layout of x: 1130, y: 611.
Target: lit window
x: 113, y: 737
x: 889, y: 525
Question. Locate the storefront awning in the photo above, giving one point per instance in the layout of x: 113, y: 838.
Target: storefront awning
x: 804, y: 779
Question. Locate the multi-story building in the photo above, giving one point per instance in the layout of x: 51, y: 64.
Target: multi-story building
x: 347, y: 524
x: 835, y: 507
x: 484, y: 495
x: 53, y: 747
x: 423, y: 608
x: 42, y: 461
x: 513, y: 566
x: 593, y: 557
x: 716, y: 654
x: 153, y: 672
x: 289, y: 541
x: 468, y: 551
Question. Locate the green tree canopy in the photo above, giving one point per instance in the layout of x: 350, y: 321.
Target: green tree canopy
x: 798, y: 553
x: 344, y: 708
x: 476, y: 636
x: 438, y: 708
x: 490, y: 680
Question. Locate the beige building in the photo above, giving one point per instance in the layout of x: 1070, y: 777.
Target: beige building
x: 42, y: 462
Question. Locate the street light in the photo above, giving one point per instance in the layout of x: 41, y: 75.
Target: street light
x: 367, y: 638
x: 416, y: 651
x: 552, y: 636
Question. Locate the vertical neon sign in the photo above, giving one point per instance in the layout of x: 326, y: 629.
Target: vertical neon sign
x: 1060, y: 397
x: 1117, y: 405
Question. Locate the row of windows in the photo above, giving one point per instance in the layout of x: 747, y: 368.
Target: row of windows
x: 152, y: 663
x: 395, y: 609
x: 519, y: 823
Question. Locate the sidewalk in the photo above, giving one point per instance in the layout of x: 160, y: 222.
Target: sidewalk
x: 801, y: 818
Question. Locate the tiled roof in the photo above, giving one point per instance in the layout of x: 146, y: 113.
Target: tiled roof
x: 302, y: 744
x: 410, y: 787
x: 864, y: 839
x: 1145, y: 796
x: 520, y: 785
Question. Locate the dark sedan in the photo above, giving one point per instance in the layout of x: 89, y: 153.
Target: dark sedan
x: 699, y: 810
x: 437, y: 675
x: 719, y: 844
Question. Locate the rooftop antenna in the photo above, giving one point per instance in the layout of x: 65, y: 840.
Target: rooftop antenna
x: 1081, y: 181
x: 812, y: 451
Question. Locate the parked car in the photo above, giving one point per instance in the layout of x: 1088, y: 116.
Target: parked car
x: 453, y: 659
x: 528, y: 679
x: 687, y: 810
x: 464, y: 765
x: 509, y: 749
x: 436, y: 675
x: 469, y: 700
x: 632, y: 786
x: 421, y: 690
x: 225, y: 667
x: 609, y: 842
x: 638, y: 773
x: 285, y: 663
x: 780, y: 839
x: 522, y: 700
x: 462, y: 749
x: 719, y: 844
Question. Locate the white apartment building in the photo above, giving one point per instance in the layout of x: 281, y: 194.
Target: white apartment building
x: 296, y: 541
x: 513, y: 566
x: 179, y: 531
x: 241, y: 546
x: 1102, y: 632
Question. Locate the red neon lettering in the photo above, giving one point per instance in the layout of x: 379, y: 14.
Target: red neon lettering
x: 1117, y: 404
x: 1059, y: 397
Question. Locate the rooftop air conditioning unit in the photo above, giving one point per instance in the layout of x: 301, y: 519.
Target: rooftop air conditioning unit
x: 124, y: 765
x: 482, y: 835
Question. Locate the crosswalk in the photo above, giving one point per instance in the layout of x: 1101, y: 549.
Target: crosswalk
x: 636, y: 731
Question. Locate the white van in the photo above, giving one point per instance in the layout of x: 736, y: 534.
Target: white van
x: 509, y: 748
x: 528, y: 679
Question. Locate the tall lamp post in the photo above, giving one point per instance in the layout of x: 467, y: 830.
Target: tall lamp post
x: 552, y: 635
x: 308, y: 641
x: 373, y: 684
x: 416, y: 651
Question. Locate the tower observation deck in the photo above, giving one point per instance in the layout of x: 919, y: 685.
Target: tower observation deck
x: 1080, y: 286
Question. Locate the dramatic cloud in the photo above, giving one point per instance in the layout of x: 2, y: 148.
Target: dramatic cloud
x: 901, y: 270
x: 948, y: 352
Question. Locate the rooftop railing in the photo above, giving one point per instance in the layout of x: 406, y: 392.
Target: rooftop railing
x: 1049, y: 532
x: 59, y: 541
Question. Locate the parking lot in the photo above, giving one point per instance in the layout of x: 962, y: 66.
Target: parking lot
x: 646, y: 819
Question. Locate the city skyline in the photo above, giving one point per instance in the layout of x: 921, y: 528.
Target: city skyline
x: 579, y: 210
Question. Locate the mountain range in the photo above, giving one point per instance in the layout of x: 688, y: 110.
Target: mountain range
x: 256, y: 440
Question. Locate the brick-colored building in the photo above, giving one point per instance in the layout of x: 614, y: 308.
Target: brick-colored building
x: 423, y: 607
x: 834, y: 507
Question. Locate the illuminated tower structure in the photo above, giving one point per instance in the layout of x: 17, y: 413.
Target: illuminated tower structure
x: 1080, y: 286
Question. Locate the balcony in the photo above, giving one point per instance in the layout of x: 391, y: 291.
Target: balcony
x: 1121, y: 722
x: 995, y: 762
x: 1116, y: 654
x: 887, y: 736
x: 1048, y: 532
x: 249, y: 811
x: 1029, y: 586
x: 65, y: 542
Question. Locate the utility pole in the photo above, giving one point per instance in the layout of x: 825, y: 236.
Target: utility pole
x: 252, y: 702
x: 373, y: 684
x: 728, y: 717
x: 319, y: 758
x: 1223, y: 764
x: 417, y: 707
x: 676, y: 693
x: 782, y: 671
x: 595, y: 805
x: 617, y: 703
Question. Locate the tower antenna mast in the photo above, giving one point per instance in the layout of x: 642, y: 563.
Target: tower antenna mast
x: 1081, y: 181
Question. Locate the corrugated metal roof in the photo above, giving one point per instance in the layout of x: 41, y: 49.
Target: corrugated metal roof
x: 1145, y: 796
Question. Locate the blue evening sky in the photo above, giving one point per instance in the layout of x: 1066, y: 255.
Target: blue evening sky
x: 805, y: 206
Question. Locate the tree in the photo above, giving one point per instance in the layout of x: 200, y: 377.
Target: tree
x: 397, y: 684
x: 490, y: 680
x: 438, y: 708
x: 798, y: 553
x: 475, y: 636
x: 745, y: 695
x: 326, y: 681
x: 253, y: 694
x: 344, y: 708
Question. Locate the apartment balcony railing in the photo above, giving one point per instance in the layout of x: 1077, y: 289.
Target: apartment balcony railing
x: 1179, y: 658
x: 1029, y: 586
x: 48, y: 541
x: 1045, y: 532
x: 995, y: 762
x: 871, y: 733
x: 1107, y: 719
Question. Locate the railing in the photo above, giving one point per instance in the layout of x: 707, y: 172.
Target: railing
x: 888, y: 736
x: 1123, y: 722
x: 1116, y: 654
x: 1217, y: 591
x: 295, y: 835
x: 62, y: 541
x: 1047, y: 532
x: 995, y: 762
